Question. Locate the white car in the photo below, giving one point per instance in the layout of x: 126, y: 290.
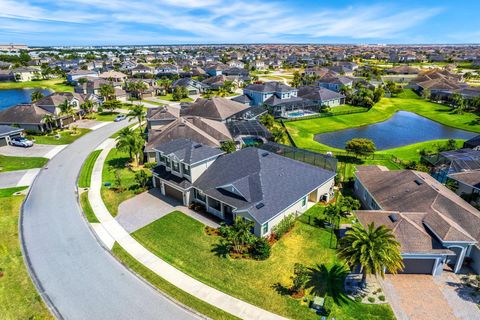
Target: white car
x: 21, y: 142
x: 120, y: 118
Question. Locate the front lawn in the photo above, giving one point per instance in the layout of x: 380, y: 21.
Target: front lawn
x: 182, y: 242
x: 8, y: 163
x: 87, y: 168
x: 105, y: 116
x: 67, y: 136
x: 169, y: 97
x: 18, y: 296
x: 117, y: 161
x: 57, y: 85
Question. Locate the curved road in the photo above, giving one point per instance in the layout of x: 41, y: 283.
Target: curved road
x: 80, y: 278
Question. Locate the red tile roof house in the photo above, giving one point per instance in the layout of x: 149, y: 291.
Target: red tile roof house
x: 433, y: 225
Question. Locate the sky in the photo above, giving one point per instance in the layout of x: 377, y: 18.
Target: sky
x: 140, y: 22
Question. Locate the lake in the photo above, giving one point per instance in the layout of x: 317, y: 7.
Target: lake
x: 403, y: 128
x: 11, y: 97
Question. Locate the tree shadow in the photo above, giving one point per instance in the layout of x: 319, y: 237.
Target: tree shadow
x: 118, y: 163
x: 326, y: 281
x: 220, y: 249
x: 281, y: 289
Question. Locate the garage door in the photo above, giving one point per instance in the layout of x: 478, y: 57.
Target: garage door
x: 418, y: 266
x: 3, y: 142
x: 173, y: 193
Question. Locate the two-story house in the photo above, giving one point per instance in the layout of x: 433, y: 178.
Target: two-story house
x: 261, y: 92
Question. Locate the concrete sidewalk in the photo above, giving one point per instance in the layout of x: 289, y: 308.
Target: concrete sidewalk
x: 179, y: 279
x: 19, y: 178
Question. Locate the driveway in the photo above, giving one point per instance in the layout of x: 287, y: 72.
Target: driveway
x: 19, y: 178
x: 38, y: 150
x: 90, y: 124
x: 424, y: 297
x: 141, y: 210
x: 77, y: 276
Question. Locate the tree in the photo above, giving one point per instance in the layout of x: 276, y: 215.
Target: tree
x: 131, y: 142
x: 228, y: 146
x: 267, y: 120
x: 348, y: 204
x: 179, y: 92
x: 112, y: 105
x: 87, y: 106
x: 360, y: 146
x: 67, y: 109
x: 279, y: 135
x: 426, y: 94
x: 297, y: 79
x: 378, y: 93
x: 142, y: 178
x: 36, y: 95
x: 372, y: 249
x: 136, y: 112
x: 107, y: 92
x: 49, y: 120
x: 300, y: 278
x: 238, y: 235
x: 136, y: 87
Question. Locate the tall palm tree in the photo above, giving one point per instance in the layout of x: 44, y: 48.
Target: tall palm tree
x: 87, y: 106
x: 67, y: 109
x: 131, y: 142
x: 49, y: 120
x: 36, y: 95
x: 373, y: 249
x: 136, y: 112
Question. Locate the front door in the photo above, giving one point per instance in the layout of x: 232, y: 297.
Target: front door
x: 228, y: 214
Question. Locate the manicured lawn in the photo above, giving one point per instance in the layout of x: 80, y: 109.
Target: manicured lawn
x: 86, y: 173
x: 8, y: 163
x: 153, y: 102
x: 57, y: 85
x: 117, y: 160
x: 105, y: 116
x: 169, y: 289
x: 66, y: 137
x: 261, y: 283
x: 346, y: 169
x: 412, y: 151
x: 87, y: 208
x: 303, y: 131
x: 169, y: 97
x: 18, y: 297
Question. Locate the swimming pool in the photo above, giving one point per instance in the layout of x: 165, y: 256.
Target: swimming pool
x: 252, y: 141
x: 297, y: 114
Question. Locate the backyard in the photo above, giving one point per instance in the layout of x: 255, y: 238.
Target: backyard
x: 263, y: 283
x: 9, y: 163
x: 169, y: 97
x: 18, y: 297
x: 57, y: 85
x: 67, y: 136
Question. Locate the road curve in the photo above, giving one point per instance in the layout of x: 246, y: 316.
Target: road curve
x: 78, y: 276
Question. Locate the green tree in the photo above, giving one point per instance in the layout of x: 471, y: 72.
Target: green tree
x: 228, y: 146
x: 360, y: 146
x: 112, y: 105
x: 107, y: 92
x: 179, y: 93
x: 131, y: 142
x: 67, y: 109
x: 136, y: 112
x: 372, y: 249
x: 87, y: 106
x: 238, y: 236
x: 50, y: 121
x: 279, y: 135
x: 36, y: 95
x: 267, y: 120
x: 348, y: 204
x: 141, y: 177
x: 300, y: 278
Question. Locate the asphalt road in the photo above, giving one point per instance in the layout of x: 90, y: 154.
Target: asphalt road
x: 80, y: 278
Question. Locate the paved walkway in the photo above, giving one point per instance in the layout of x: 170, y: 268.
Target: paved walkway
x: 38, y: 150
x: 179, y: 279
x: 145, y: 208
x: 19, y: 178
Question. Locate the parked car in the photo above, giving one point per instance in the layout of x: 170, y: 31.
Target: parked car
x: 21, y: 142
x: 120, y: 118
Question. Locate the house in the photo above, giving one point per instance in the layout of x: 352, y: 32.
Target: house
x: 473, y: 143
x: 335, y: 83
x: 26, y: 116
x: 321, y: 96
x: 449, y: 162
x: 235, y: 64
x: 113, y: 76
x: 403, y: 70
x: 216, y: 82
x: 216, y: 108
x: 7, y: 133
x: 261, y: 92
x: 215, y: 69
x: 167, y: 69
x: 259, y: 65
x: 141, y: 70
x: 25, y: 74
x: 254, y: 184
x: 433, y: 225
x: 193, y: 86
x: 161, y: 116
x: 74, y: 75
x: 467, y: 185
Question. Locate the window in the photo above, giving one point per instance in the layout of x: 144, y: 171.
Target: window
x: 265, y: 228
x: 167, y: 162
x: 199, y: 195
x: 304, y: 201
x: 162, y: 159
x: 175, y: 166
x: 186, y: 169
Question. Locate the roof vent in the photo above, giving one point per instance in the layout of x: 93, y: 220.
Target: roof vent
x: 265, y: 154
x: 260, y: 205
x: 418, y: 182
x: 197, y: 146
x: 393, y: 217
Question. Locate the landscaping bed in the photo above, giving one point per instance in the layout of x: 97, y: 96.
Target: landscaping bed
x: 263, y: 283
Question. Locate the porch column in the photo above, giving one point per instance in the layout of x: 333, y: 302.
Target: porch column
x: 154, y: 180
x: 459, y: 262
x: 162, y: 187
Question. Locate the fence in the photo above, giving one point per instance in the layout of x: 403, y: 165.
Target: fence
x: 326, y: 115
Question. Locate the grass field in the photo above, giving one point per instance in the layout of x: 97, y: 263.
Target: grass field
x: 66, y: 137
x: 86, y: 172
x: 57, y: 85
x: 18, y: 297
x: 412, y: 151
x: 303, y: 131
x: 169, y: 97
x: 262, y: 283
x: 106, y: 116
x: 87, y: 208
x: 8, y: 163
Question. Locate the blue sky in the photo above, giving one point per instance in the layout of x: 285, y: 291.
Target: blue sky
x: 104, y: 22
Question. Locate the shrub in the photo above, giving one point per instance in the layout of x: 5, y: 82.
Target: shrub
x: 371, y: 299
x: 261, y: 249
x: 284, y: 226
x: 150, y: 165
x: 358, y: 299
x: 381, y: 298
x: 300, y: 277
x: 328, y: 305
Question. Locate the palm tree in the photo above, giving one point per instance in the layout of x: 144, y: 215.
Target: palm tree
x: 36, y: 95
x: 107, y: 91
x: 136, y: 112
x: 49, y: 120
x: 87, y: 106
x: 131, y: 142
x: 373, y: 249
x: 67, y: 109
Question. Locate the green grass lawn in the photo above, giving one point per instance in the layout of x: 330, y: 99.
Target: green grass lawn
x: 87, y: 208
x: 18, y: 297
x: 8, y: 163
x: 66, y: 137
x: 153, y: 102
x: 169, y: 97
x: 412, y: 151
x: 57, y: 85
x: 303, y: 131
x: 117, y: 160
x: 261, y: 283
x: 105, y: 116
x: 86, y: 172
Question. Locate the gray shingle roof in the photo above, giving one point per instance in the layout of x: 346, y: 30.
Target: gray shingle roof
x: 188, y: 151
x: 8, y: 130
x: 318, y: 94
x: 261, y: 177
x: 271, y: 86
x: 216, y: 108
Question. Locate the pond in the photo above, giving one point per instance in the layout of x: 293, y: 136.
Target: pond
x: 11, y: 97
x: 403, y: 128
